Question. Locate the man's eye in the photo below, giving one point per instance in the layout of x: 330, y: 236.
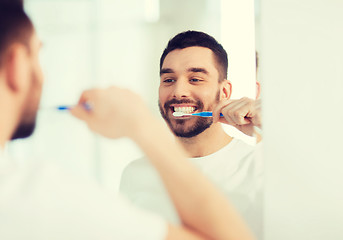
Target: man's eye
x: 195, y: 80
x: 169, y: 80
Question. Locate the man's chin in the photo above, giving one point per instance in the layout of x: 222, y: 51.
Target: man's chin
x: 186, y: 134
x: 187, y: 127
x: 185, y: 131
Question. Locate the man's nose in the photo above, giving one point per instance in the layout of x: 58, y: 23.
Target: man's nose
x: 181, y: 89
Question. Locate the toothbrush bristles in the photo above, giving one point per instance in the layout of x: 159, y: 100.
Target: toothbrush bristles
x: 180, y: 114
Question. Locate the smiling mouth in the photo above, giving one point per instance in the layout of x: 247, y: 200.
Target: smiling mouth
x: 183, y: 109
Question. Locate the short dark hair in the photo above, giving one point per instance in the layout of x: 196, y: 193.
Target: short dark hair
x: 200, y: 39
x: 15, y: 25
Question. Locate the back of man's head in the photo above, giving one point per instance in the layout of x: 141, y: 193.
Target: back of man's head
x: 15, y: 26
x: 23, y: 73
x: 199, y: 39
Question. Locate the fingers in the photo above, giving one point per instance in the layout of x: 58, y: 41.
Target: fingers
x: 113, y: 113
x: 235, y: 112
x: 85, y: 107
x: 89, y: 97
x: 243, y: 114
x: 239, y: 111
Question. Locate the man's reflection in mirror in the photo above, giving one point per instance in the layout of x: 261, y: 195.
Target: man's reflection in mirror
x: 193, y: 79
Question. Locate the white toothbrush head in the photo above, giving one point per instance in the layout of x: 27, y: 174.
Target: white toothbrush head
x: 180, y: 114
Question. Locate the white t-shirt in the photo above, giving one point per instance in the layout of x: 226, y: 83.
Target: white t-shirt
x: 234, y: 169
x: 42, y: 202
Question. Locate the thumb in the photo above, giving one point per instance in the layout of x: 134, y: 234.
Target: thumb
x: 217, y: 110
x: 80, y: 112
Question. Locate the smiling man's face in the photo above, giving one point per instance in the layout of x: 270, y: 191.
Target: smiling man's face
x: 189, y: 83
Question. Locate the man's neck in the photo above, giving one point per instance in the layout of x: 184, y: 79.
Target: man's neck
x: 2, y: 145
x: 207, y: 142
x: 6, y: 128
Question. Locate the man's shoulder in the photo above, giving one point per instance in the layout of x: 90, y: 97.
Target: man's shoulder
x: 138, y: 174
x: 140, y: 164
x: 247, y: 152
x: 228, y: 159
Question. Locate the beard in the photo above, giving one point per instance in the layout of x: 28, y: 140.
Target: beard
x: 179, y: 128
x: 24, y: 130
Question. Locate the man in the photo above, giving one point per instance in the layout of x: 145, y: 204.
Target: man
x: 193, y: 78
x: 42, y: 202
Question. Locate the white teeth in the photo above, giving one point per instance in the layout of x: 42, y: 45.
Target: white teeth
x: 184, y: 109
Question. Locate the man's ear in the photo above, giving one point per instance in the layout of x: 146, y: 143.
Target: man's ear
x: 258, y: 89
x: 226, y: 89
x: 16, y: 66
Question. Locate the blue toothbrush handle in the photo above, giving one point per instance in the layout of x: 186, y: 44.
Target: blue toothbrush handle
x: 63, y: 107
x: 205, y: 114
x: 67, y: 107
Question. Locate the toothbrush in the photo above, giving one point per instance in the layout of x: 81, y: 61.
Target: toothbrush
x: 200, y: 114
x: 63, y: 107
x: 67, y: 107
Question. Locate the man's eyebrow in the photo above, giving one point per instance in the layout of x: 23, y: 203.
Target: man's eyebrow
x: 201, y: 70
x: 166, y: 70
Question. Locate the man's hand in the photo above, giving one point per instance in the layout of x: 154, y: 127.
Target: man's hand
x: 113, y: 112
x: 244, y: 114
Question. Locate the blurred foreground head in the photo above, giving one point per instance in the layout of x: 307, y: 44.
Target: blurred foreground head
x: 20, y: 72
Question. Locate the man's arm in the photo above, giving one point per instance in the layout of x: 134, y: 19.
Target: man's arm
x: 204, y: 211
x: 184, y: 233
